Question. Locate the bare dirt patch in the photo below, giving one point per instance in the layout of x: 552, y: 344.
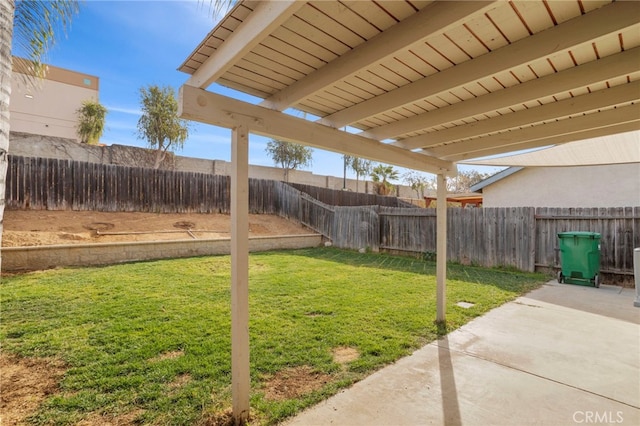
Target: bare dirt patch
x: 345, y: 354
x: 184, y: 224
x: 294, y: 382
x: 221, y: 418
x: 43, y: 227
x: 25, y: 383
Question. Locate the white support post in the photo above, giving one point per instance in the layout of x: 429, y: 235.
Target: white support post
x: 240, y: 379
x: 441, y: 249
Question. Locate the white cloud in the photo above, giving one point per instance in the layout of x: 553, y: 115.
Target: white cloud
x: 124, y: 110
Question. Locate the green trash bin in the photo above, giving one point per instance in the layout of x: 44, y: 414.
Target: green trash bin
x: 580, y: 258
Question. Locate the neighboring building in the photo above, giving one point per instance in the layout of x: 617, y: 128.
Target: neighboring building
x: 596, y: 172
x: 613, y: 185
x: 47, y: 106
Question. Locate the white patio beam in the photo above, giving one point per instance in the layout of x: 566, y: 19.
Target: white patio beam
x: 206, y: 107
x: 602, y: 99
x: 432, y: 20
x: 594, y: 72
x: 265, y: 18
x: 609, y: 19
x: 532, y: 137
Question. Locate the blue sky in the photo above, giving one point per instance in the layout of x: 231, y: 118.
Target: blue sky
x: 131, y: 44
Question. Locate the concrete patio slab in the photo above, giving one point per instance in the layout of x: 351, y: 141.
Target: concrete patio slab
x: 561, y: 355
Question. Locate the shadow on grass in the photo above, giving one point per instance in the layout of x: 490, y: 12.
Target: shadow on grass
x: 504, y: 279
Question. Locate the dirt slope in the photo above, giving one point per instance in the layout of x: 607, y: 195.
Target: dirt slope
x: 40, y: 227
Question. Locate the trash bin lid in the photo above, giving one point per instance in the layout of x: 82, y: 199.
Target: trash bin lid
x: 579, y: 234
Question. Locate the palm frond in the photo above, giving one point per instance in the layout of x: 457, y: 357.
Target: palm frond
x: 37, y: 24
x: 219, y: 8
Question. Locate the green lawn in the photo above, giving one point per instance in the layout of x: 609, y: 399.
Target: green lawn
x: 153, y: 338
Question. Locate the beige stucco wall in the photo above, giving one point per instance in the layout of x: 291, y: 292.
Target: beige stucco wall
x: 585, y: 186
x: 48, y: 106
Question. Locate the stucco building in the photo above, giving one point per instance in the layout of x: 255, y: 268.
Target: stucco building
x: 598, y: 172
x: 613, y: 185
x: 47, y: 106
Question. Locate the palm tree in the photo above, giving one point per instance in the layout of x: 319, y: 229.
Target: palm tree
x: 91, y: 117
x: 361, y: 167
x: 32, y: 26
x: 381, y: 175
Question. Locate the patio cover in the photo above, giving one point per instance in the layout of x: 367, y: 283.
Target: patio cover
x: 424, y: 83
x: 615, y: 149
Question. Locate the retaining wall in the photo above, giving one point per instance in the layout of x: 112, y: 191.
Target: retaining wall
x: 21, y: 259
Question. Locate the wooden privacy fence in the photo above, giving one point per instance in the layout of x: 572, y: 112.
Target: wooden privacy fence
x: 619, y: 228
x: 53, y: 184
x: 337, y: 197
x: 524, y: 237
x: 486, y: 236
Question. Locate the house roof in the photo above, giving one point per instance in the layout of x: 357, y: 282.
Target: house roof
x: 623, y: 148
x: 424, y: 83
x: 478, y: 187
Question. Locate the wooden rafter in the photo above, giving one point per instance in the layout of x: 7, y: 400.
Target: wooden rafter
x: 267, y: 16
x: 537, y: 136
x: 600, y: 100
x: 433, y: 19
x: 583, y: 29
x: 607, y: 68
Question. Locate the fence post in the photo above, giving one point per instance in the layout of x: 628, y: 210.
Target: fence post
x: 532, y: 238
x: 376, y: 229
x: 636, y: 273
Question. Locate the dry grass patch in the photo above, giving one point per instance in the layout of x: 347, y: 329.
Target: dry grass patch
x: 294, y: 382
x: 345, y: 354
x: 179, y: 382
x: 225, y: 418
x: 220, y: 418
x: 25, y: 383
x: 127, y: 419
x: 168, y: 355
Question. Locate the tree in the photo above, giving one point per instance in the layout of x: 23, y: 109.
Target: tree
x: 381, y: 175
x: 360, y: 166
x: 91, y: 116
x: 31, y: 26
x: 465, y: 180
x: 418, y: 182
x: 159, y: 124
x: 289, y: 155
